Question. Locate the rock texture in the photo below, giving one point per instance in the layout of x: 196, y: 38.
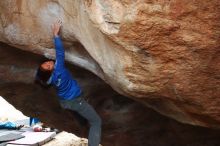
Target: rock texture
x: 125, y: 122
x: 67, y: 139
x: 164, y: 54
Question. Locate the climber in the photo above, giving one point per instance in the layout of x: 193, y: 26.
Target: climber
x: 70, y: 95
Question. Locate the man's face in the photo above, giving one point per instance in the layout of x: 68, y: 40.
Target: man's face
x: 47, y: 66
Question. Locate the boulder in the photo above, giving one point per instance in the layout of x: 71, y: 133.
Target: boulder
x: 163, y: 54
x: 125, y: 122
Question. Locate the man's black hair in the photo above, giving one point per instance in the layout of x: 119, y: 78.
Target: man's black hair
x: 42, y: 76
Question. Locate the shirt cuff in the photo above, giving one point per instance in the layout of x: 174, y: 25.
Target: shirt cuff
x: 56, y: 36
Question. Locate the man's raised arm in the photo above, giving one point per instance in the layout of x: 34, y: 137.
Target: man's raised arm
x: 60, y: 55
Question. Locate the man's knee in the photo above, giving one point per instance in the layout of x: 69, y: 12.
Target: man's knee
x: 97, y: 121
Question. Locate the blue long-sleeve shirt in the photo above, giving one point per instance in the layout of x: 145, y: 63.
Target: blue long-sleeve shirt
x: 66, y: 87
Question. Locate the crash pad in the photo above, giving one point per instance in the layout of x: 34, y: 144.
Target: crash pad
x: 34, y: 138
x: 10, y: 137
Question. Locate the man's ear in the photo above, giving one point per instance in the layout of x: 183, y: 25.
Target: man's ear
x: 40, y: 67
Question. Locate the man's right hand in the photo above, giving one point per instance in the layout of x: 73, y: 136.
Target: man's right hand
x: 56, y: 27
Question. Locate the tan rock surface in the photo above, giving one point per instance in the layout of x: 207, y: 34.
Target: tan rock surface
x: 164, y: 54
x: 67, y: 139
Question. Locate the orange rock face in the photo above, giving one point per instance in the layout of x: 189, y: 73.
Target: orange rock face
x: 164, y: 54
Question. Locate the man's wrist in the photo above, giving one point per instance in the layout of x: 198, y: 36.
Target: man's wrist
x: 56, y: 35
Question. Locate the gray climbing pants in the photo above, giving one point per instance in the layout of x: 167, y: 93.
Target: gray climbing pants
x: 80, y: 106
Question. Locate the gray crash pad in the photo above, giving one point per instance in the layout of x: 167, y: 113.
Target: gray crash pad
x: 33, y: 138
x: 10, y: 137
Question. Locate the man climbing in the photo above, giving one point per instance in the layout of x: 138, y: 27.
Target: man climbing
x: 68, y: 90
